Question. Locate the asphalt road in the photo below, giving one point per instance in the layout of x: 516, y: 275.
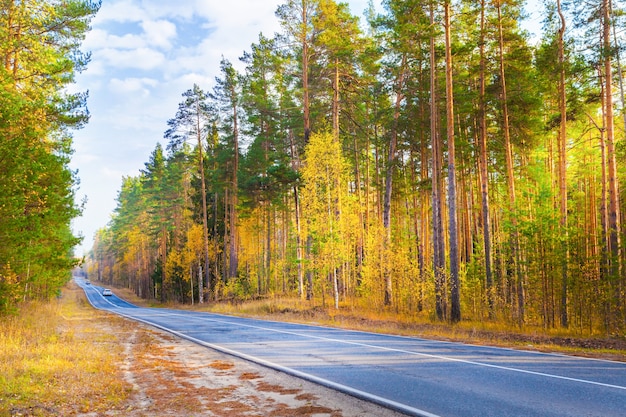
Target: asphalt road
x: 415, y: 376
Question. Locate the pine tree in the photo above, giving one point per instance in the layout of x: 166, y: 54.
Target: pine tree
x: 39, y: 49
x: 227, y: 96
x: 191, y: 123
x: 455, y: 302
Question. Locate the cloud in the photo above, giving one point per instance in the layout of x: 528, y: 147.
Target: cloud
x: 100, y: 39
x: 159, y: 33
x: 120, y: 11
x: 141, y: 58
x: 127, y: 35
x: 187, y: 80
x: 147, y: 33
x: 132, y: 85
x: 84, y: 158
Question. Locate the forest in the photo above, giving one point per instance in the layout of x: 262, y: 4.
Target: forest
x: 40, y: 55
x: 431, y: 158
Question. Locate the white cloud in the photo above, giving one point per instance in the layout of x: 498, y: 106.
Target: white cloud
x: 120, y: 11
x: 96, y: 38
x: 159, y: 33
x: 99, y: 39
x: 141, y: 58
x: 112, y: 173
x: 153, y: 33
x: 187, y: 80
x: 132, y: 85
x: 84, y: 158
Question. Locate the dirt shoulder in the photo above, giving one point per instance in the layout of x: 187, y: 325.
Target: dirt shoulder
x: 169, y: 376
x: 174, y: 377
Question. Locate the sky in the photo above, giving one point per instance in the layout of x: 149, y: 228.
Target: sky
x: 144, y: 55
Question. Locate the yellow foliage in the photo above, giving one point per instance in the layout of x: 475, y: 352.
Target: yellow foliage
x: 323, y: 196
x: 194, y: 244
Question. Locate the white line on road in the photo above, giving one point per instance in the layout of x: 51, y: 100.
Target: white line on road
x: 324, y: 382
x: 409, y: 352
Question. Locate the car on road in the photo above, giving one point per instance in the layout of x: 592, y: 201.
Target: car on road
x: 107, y: 291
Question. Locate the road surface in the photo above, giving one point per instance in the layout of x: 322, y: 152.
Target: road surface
x: 417, y: 377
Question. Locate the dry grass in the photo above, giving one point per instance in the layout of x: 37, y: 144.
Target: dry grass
x: 56, y: 361
x: 221, y: 365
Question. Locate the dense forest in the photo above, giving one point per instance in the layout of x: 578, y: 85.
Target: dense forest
x: 40, y: 54
x: 430, y: 159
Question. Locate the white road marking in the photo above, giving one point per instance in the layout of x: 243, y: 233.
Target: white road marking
x: 360, y: 394
x: 324, y: 382
x: 408, y: 352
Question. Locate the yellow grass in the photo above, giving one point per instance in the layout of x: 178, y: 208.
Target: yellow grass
x: 55, y: 359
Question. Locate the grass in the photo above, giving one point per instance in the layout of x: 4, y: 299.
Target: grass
x: 55, y: 359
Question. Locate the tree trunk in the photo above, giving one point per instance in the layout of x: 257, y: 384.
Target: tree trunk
x: 562, y: 144
x: 306, y: 109
x: 438, y: 242
x: 205, y: 222
x: 359, y: 192
x: 613, y: 196
x: 455, y: 302
x: 483, y: 168
x: 305, y: 74
x: 234, y: 237
x: 424, y: 208
x: 391, y: 161
x: 515, y: 245
x: 295, y: 165
x: 614, y: 228
x: 336, y: 100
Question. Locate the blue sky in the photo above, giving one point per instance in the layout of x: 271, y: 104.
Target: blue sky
x: 145, y: 54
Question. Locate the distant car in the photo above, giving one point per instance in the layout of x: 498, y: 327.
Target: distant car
x: 87, y: 282
x: 107, y: 291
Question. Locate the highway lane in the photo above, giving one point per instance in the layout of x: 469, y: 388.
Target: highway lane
x: 415, y: 376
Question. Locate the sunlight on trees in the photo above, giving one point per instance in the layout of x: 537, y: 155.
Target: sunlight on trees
x: 325, y: 174
x: 39, y: 51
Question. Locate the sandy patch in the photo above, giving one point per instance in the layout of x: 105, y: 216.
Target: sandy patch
x: 175, y: 377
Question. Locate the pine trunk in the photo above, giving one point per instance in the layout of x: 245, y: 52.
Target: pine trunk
x: 438, y: 241
x: 205, y: 222
x: 483, y: 169
x: 234, y: 236
x: 455, y: 301
x: 613, y: 196
x: 305, y: 74
x: 562, y: 143
x: 391, y: 160
x: 514, y: 236
x: 614, y: 229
